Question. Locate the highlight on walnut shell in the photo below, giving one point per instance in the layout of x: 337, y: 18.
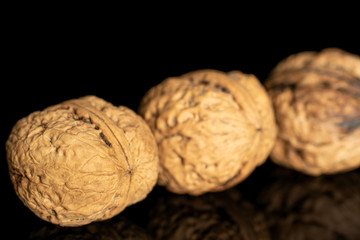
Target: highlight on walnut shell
x: 81, y: 161
x: 316, y: 98
x: 212, y: 128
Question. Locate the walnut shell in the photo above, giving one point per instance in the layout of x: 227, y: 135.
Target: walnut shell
x: 212, y: 129
x: 81, y: 161
x: 224, y: 215
x: 316, y: 98
x: 300, y: 207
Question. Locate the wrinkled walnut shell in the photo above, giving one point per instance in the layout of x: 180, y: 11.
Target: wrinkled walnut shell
x: 316, y: 98
x: 81, y: 161
x: 212, y: 129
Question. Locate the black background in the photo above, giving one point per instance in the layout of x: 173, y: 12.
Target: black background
x: 49, y: 62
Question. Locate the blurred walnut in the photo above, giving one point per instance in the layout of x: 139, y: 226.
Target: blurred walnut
x: 300, y: 207
x: 316, y: 98
x: 212, y: 129
x: 224, y: 215
x: 82, y: 160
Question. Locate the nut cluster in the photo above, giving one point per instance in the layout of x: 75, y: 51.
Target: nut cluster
x: 316, y: 98
x: 85, y: 160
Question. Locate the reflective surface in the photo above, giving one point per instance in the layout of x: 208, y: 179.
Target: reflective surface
x: 273, y: 203
x: 46, y: 66
x: 303, y: 207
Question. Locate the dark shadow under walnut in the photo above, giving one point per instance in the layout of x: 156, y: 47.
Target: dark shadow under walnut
x: 302, y: 207
x: 117, y: 228
x: 224, y: 215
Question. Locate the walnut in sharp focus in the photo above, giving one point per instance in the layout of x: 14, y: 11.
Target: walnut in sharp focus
x: 316, y: 98
x: 212, y: 129
x: 81, y: 161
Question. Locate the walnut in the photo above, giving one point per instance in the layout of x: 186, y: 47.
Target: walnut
x: 301, y: 207
x: 316, y: 98
x: 224, y: 215
x: 81, y: 161
x: 212, y: 128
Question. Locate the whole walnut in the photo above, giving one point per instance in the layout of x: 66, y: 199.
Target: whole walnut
x: 316, y: 98
x: 212, y: 128
x: 81, y: 161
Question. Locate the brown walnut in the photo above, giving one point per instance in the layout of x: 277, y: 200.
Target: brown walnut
x: 81, y: 161
x: 212, y: 129
x: 316, y: 98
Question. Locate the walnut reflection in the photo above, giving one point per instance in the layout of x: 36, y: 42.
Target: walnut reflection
x: 118, y: 228
x: 223, y: 215
x: 303, y: 207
